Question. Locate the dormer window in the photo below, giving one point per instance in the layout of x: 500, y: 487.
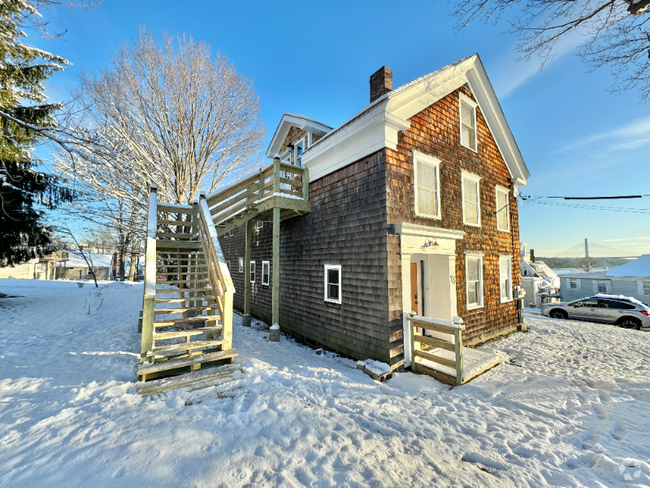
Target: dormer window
x: 467, y: 122
x: 299, y: 148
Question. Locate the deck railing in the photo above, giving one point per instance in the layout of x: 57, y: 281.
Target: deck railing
x: 448, y: 337
x: 277, y: 179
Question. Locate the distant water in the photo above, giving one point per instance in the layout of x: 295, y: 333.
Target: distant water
x: 575, y: 270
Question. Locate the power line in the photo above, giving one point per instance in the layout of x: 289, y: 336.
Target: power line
x: 643, y: 211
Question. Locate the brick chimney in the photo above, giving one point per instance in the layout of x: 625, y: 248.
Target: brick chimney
x: 532, y: 255
x: 381, y: 82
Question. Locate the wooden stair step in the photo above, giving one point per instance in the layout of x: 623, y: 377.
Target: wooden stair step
x: 179, y: 300
x: 192, y: 381
x: 175, y: 222
x: 183, y: 273
x: 187, y: 320
x: 166, y: 311
x: 177, y: 245
x: 161, y: 336
x: 185, y: 346
x: 184, y: 290
x: 147, y: 368
x: 175, y: 235
x: 181, y: 282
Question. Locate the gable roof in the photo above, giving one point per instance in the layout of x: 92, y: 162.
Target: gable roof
x: 394, y: 108
x: 639, y: 268
x: 294, y: 120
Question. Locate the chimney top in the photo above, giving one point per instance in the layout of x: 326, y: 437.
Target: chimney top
x: 532, y: 255
x: 381, y: 82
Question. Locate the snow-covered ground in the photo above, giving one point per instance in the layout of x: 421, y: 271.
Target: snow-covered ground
x: 570, y: 408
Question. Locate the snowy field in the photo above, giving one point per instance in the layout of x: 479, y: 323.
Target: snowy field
x: 570, y: 408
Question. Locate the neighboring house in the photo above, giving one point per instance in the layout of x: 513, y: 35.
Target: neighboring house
x: 631, y: 279
x: 540, y: 282
x: 413, y: 208
x: 61, y: 265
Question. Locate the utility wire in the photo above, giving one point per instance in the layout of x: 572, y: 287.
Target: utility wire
x: 643, y: 211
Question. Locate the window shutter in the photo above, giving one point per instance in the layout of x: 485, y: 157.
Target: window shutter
x: 594, y: 285
x: 568, y: 282
x: 579, y: 282
x: 639, y: 287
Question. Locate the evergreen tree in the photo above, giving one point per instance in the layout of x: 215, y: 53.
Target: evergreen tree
x: 25, y: 117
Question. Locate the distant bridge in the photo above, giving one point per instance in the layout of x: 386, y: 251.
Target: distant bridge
x: 594, y: 250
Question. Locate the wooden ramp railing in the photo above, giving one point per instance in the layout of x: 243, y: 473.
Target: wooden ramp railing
x: 444, y: 348
x: 441, y: 354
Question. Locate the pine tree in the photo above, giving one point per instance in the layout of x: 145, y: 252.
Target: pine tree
x: 25, y: 115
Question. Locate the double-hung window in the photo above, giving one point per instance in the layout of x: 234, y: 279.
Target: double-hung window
x: 241, y: 265
x: 505, y: 277
x: 467, y: 122
x: 299, y: 148
x: 333, y: 283
x: 427, y: 185
x: 266, y: 272
x: 252, y: 272
x: 503, y: 209
x: 474, y: 274
x: 471, y: 199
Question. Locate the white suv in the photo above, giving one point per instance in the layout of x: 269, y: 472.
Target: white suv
x: 610, y: 309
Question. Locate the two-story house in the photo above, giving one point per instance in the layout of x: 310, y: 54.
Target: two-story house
x: 413, y: 209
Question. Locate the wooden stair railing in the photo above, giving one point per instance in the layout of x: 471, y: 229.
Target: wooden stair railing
x: 218, y: 273
x: 187, y: 262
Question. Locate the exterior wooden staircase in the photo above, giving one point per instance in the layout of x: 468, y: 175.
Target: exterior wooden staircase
x: 188, y: 293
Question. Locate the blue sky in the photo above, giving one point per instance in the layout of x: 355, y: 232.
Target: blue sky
x: 577, y: 138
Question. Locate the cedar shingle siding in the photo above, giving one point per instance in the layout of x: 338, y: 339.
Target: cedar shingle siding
x: 351, y: 224
x: 436, y: 131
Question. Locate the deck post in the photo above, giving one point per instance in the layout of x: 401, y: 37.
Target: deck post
x: 248, y: 238
x: 458, y: 341
x: 149, y: 301
x: 261, y: 192
x: 305, y: 184
x: 276, y: 267
x: 409, y: 320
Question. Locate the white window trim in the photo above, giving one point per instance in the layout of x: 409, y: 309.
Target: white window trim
x: 480, y: 304
x: 502, y: 189
x: 268, y: 272
x: 328, y: 267
x: 241, y: 265
x: 252, y: 276
x: 470, y: 176
x: 302, y: 141
x: 431, y: 161
x: 509, y: 259
x: 465, y: 99
x: 260, y: 224
x: 228, y: 265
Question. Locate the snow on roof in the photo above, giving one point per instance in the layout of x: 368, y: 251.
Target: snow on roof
x: 99, y: 260
x: 639, y: 268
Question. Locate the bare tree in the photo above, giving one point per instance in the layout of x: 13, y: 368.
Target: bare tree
x: 616, y: 32
x: 170, y: 114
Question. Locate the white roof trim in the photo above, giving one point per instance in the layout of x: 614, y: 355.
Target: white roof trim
x: 393, y: 109
x: 293, y: 120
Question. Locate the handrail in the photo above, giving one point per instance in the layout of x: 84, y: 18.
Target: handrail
x: 149, y: 298
x: 245, y: 194
x: 453, y: 327
x: 218, y: 273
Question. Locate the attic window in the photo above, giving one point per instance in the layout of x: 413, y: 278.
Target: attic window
x: 467, y: 122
